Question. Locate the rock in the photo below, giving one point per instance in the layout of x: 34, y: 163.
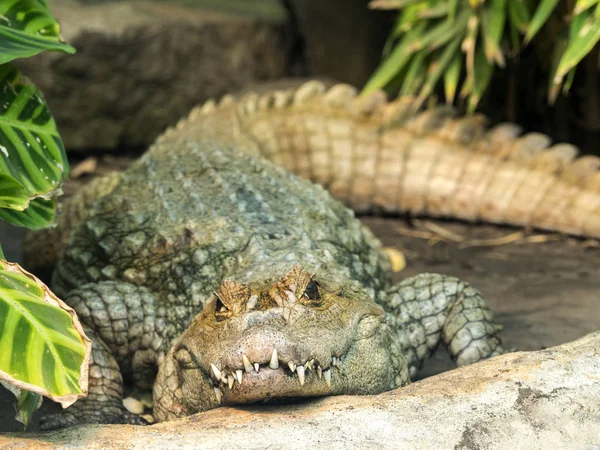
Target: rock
x: 343, y: 39
x: 544, y: 399
x: 140, y: 66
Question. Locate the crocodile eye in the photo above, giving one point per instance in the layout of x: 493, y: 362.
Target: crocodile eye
x: 312, y: 291
x: 220, y: 306
x: 221, y: 311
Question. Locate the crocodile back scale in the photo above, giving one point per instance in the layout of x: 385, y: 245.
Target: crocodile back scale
x: 376, y: 155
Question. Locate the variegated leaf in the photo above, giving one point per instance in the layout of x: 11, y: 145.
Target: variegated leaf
x: 43, y: 346
x: 32, y: 155
x: 27, y: 28
x: 39, y: 214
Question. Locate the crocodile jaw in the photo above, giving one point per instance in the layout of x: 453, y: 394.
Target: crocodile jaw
x: 266, y: 342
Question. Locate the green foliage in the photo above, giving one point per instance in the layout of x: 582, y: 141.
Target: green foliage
x: 27, y: 402
x: 39, y: 214
x: 47, y: 350
x: 461, y: 41
x: 43, y: 348
x: 28, y: 28
x: 33, y: 162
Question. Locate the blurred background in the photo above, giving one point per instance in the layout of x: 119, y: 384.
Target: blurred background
x: 141, y: 65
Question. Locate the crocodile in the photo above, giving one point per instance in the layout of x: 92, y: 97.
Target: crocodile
x: 212, y: 272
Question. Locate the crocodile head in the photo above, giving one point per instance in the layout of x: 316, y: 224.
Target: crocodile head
x: 300, y: 335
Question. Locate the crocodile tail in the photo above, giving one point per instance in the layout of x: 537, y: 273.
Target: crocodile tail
x: 376, y: 155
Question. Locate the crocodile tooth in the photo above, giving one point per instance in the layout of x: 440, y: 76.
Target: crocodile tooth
x: 247, y: 364
x: 309, y: 364
x: 319, y: 372
x: 292, y: 366
x: 216, y: 371
x: 251, y: 304
x: 218, y: 394
x: 327, y: 375
x: 256, y: 366
x: 300, y: 370
x: 274, y: 364
x: 229, y: 381
x: 278, y: 300
x: 238, y: 375
x: 224, y: 379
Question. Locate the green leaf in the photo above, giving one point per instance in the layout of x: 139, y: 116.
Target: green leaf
x: 519, y: 14
x: 18, y: 44
x: 408, y: 17
x: 579, y: 46
x: 444, y: 32
x: 452, y: 8
x: 469, y: 46
x: 27, y: 404
x: 39, y: 214
x: 482, y: 75
x: 569, y: 81
x: 577, y: 24
x: 12, y: 194
x: 493, y: 20
x: 44, y: 349
x: 27, y: 28
x: 396, y: 61
x: 31, y: 151
x: 582, y: 5
x: 515, y: 39
x: 415, y: 75
x: 434, y: 11
x: 451, y: 77
x: 540, y: 16
x: 390, y: 4
x: 553, y: 84
x: 1, y: 253
x: 437, y: 68
x: 399, y: 30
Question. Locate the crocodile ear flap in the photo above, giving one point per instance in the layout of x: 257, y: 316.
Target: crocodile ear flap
x: 296, y: 280
x: 232, y: 296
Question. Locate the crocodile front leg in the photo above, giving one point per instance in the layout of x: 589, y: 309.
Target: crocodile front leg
x: 120, y: 319
x: 104, y: 402
x: 427, y: 308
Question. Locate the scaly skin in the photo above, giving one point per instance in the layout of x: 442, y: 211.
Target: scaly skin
x: 379, y: 156
x: 375, y: 155
x: 206, y: 262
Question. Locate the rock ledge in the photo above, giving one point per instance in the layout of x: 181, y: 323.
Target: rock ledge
x: 544, y: 399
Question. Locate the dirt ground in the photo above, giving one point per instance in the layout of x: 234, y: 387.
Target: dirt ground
x: 543, y: 288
